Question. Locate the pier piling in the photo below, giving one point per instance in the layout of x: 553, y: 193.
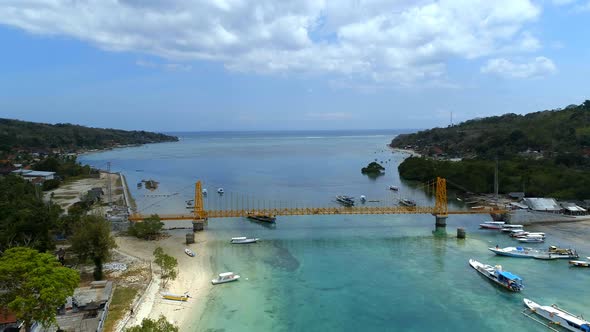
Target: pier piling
x: 441, y: 220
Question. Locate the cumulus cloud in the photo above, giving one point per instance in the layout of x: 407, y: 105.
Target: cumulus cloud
x: 537, y: 67
x: 402, y: 41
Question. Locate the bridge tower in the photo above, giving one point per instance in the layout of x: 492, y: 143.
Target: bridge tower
x: 200, y: 215
x: 441, y: 209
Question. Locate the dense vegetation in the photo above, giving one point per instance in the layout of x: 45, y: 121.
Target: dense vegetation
x: 25, y: 220
x: 373, y: 168
x: 31, y: 136
x: 543, y: 154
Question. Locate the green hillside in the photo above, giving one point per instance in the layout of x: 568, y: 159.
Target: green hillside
x: 543, y: 153
x: 32, y: 136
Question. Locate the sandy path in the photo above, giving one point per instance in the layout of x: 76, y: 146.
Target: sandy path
x: 194, y: 277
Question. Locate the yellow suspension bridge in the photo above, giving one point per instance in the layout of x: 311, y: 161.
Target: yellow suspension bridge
x: 242, y: 209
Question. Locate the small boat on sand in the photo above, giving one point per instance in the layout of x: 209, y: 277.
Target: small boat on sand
x: 492, y: 225
x: 558, y: 316
x: 580, y: 263
x: 510, y: 281
x: 225, y: 277
x: 189, y: 252
x: 176, y: 297
x: 243, y: 240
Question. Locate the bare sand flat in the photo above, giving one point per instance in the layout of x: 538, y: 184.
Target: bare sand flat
x: 194, y: 277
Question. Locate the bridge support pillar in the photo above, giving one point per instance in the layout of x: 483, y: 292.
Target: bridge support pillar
x: 198, y: 225
x: 441, y: 220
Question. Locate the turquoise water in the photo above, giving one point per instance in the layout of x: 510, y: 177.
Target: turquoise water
x: 346, y: 273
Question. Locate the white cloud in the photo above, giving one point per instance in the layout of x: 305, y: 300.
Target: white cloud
x: 537, y: 67
x: 402, y: 41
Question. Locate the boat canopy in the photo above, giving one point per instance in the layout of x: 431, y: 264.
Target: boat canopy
x: 585, y: 327
x: 509, y: 275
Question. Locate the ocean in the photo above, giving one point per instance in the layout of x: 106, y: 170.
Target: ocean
x: 345, y: 273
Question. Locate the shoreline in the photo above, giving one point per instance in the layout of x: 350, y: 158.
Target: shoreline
x: 194, y: 277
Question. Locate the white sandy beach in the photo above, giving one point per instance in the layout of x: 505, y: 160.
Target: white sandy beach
x: 194, y: 277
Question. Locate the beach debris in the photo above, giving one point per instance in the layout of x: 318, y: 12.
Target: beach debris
x: 114, y: 266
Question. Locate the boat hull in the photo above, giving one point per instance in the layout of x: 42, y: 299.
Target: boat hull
x: 558, y: 316
x: 486, y: 271
x: 245, y: 241
x: 217, y: 281
x: 580, y: 263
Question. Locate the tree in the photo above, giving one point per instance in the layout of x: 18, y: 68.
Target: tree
x: 34, y: 285
x: 92, y: 240
x: 148, y: 229
x: 167, y: 264
x: 150, y: 325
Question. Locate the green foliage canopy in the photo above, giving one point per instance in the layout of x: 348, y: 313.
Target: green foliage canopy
x: 167, y: 264
x: 148, y: 229
x: 149, y: 325
x: 35, y: 284
x: 92, y: 240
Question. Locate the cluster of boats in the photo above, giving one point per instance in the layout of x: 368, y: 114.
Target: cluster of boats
x: 515, y: 231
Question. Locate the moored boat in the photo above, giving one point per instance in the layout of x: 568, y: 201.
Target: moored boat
x: 176, y: 297
x: 508, y: 228
x: 262, y: 217
x: 552, y: 253
x: 220, y: 191
x: 492, y: 225
x: 225, y: 277
x: 407, y: 202
x: 243, y: 240
x: 559, y: 316
x: 394, y: 188
x: 345, y: 200
x: 525, y: 234
x: 189, y: 252
x: 531, y: 238
x: 503, y: 278
x: 580, y: 263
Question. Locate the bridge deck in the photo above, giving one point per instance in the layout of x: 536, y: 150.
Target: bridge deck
x: 314, y: 211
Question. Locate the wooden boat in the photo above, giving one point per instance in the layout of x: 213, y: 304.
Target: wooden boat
x: 243, y: 240
x: 176, y: 297
x: 225, y: 277
x: 261, y: 217
x: 552, y: 253
x: 503, y: 278
x: 189, y: 252
x: 558, y: 316
x: 580, y: 263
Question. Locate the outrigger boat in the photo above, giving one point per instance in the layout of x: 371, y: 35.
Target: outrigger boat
x: 345, y: 200
x: 225, y: 277
x: 552, y: 253
x: 510, y: 281
x: 243, y: 240
x: 558, y: 316
x: 176, y: 297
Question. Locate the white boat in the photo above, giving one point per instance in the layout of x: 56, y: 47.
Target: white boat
x: 508, y: 228
x: 225, y: 277
x: 552, y: 253
x: 503, y: 278
x: 492, y: 225
x: 243, y: 240
x: 394, y: 188
x: 189, y: 252
x: 531, y: 238
x: 204, y: 191
x: 525, y: 234
x: 363, y: 198
x: 559, y: 316
x: 580, y: 263
x: 220, y: 191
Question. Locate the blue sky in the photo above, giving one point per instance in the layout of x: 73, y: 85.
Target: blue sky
x: 180, y: 65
